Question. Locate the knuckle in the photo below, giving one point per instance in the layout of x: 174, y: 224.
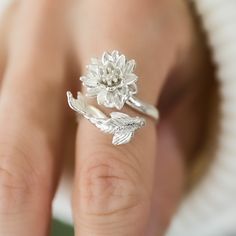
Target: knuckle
x: 109, y: 185
x: 13, y: 190
x: 19, y: 183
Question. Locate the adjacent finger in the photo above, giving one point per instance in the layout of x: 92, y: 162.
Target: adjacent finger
x: 31, y: 119
x: 6, y: 19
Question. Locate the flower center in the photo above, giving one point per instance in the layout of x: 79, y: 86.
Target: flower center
x: 111, y: 76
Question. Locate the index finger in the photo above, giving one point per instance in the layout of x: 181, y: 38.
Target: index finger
x: 31, y: 120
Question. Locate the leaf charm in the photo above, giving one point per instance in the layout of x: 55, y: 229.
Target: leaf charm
x: 122, y: 137
x: 79, y: 104
x: 121, y: 125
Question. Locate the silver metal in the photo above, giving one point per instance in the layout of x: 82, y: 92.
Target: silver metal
x: 112, y: 81
x: 120, y: 125
x: 143, y: 107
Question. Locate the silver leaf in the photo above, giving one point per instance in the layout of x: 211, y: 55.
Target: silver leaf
x: 121, y: 125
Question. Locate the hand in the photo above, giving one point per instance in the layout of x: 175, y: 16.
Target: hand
x: 127, y: 190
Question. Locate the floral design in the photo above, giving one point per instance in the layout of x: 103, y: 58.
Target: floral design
x: 111, y: 79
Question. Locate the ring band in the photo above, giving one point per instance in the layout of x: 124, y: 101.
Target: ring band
x: 112, y: 81
x: 143, y: 107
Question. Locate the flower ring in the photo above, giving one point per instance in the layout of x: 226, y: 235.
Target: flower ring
x: 112, y: 81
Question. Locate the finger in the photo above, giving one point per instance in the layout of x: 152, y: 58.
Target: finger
x: 6, y: 19
x: 31, y: 119
x: 2, y: 52
x: 114, y: 185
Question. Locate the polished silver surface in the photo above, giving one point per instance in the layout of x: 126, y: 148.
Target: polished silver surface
x: 143, y: 107
x: 120, y: 125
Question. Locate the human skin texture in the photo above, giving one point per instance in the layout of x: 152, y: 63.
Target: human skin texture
x: 128, y: 190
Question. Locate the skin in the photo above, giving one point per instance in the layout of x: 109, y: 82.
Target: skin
x: 132, y: 189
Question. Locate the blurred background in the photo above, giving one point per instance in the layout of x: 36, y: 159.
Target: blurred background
x: 61, y: 229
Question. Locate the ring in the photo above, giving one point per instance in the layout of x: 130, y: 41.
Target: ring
x: 112, y: 81
x: 120, y: 125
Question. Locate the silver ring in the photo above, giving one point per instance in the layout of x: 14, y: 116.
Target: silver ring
x: 112, y: 81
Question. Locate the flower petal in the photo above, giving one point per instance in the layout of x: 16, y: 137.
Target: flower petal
x: 118, y: 101
x: 101, y: 98
x: 93, y: 92
x: 124, y: 93
x: 106, y: 57
x: 89, y: 82
x: 131, y: 78
x: 83, y: 78
x: 115, y: 54
x: 133, y: 89
x: 110, y: 99
x: 93, y: 69
x: 121, y: 62
x: 130, y: 65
